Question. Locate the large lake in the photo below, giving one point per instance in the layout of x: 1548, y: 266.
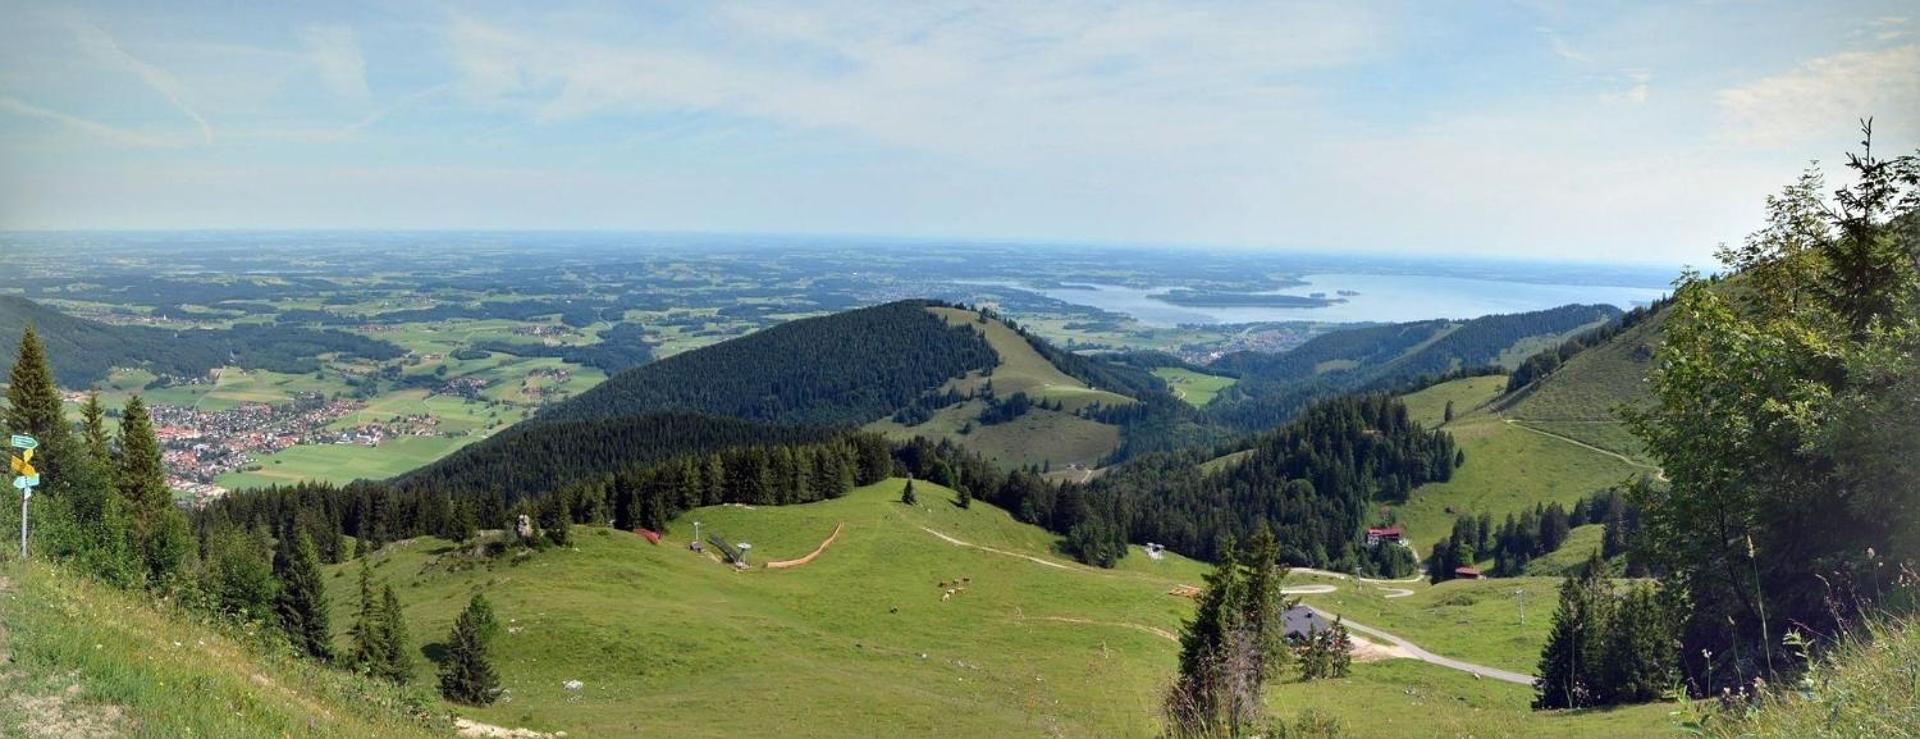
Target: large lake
x: 1381, y: 298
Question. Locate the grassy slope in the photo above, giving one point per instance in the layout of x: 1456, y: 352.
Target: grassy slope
x: 1474, y: 620
x: 1571, y: 555
x: 1507, y: 469
x: 1866, y: 687
x: 1578, y: 399
x: 860, y: 642
x: 93, y: 661
x: 1197, y: 388
x: 1037, y: 438
x: 1429, y: 406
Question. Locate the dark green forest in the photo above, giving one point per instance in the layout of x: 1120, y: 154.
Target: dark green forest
x: 83, y: 352
x: 1273, y: 387
x: 843, y: 369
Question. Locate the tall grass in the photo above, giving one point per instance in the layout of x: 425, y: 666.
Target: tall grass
x: 118, y: 663
x: 1866, y: 686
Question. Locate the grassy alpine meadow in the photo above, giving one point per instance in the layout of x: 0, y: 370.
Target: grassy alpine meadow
x: 1023, y: 370
x: 88, y: 660
x: 1478, y: 621
x: 863, y: 640
x: 1508, y: 469
x: 923, y: 619
x: 1429, y: 406
x: 1405, y: 698
x: 1197, y: 388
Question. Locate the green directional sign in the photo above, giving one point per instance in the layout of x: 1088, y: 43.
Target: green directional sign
x: 22, y: 441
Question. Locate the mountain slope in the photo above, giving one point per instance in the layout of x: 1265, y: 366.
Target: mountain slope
x: 1581, y: 396
x: 866, y: 640
x: 84, y: 351
x: 81, y: 659
x: 1274, y: 386
x: 847, y: 368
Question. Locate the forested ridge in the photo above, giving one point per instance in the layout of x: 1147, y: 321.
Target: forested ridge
x: 843, y: 369
x: 83, y: 352
x: 532, y: 459
x: 1273, y: 387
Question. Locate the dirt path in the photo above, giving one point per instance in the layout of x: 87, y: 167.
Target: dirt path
x: 1395, y: 592
x: 1154, y: 630
x: 1425, y: 656
x: 959, y: 543
x: 1657, y: 472
x: 786, y: 563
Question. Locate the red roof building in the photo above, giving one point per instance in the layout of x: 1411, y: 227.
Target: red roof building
x: 1390, y: 533
x: 1467, y: 573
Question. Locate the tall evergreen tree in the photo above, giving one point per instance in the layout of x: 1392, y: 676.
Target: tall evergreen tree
x: 395, y: 662
x: 1570, y: 675
x: 93, y: 425
x: 1217, y: 663
x: 33, y: 400
x: 1265, y: 605
x: 159, y: 528
x: 365, y: 634
x: 906, y: 494
x: 467, y: 675
x: 1639, y: 661
x: 303, y: 596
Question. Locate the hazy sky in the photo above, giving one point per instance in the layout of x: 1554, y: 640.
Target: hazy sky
x: 1589, y: 130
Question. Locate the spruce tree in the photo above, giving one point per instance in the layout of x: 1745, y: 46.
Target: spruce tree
x: 395, y: 663
x: 365, y: 634
x: 93, y: 424
x: 1202, y: 699
x: 906, y: 494
x: 159, y: 528
x: 460, y: 523
x: 1264, y: 606
x: 963, y: 497
x: 467, y: 675
x: 303, y: 597
x: 33, y: 399
x: 1569, y: 664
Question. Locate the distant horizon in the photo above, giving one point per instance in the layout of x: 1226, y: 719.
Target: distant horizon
x: 884, y: 240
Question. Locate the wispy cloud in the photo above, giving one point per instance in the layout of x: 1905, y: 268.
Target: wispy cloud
x: 96, y: 129
x: 103, y: 46
x: 980, y: 80
x: 1823, y: 95
x: 335, y: 54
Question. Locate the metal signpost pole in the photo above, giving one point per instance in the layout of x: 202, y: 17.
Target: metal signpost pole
x: 24, y: 478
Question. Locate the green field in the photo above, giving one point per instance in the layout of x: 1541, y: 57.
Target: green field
x: 861, y: 640
x: 1196, y: 388
x: 1508, y: 469
x: 1429, y: 406
x: 1474, y: 620
x: 341, y: 463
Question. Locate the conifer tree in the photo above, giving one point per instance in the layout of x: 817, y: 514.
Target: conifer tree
x: 1216, y: 657
x: 303, y: 596
x: 467, y: 675
x: 906, y: 494
x: 365, y: 634
x: 93, y: 424
x: 1264, y: 604
x: 962, y: 496
x: 33, y: 399
x: 460, y: 523
x: 395, y: 663
x: 1570, y: 674
x: 159, y: 528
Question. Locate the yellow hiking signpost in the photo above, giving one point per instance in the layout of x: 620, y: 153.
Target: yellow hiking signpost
x: 25, y: 477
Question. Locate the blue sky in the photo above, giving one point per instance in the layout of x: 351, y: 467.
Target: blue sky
x: 1587, y: 130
